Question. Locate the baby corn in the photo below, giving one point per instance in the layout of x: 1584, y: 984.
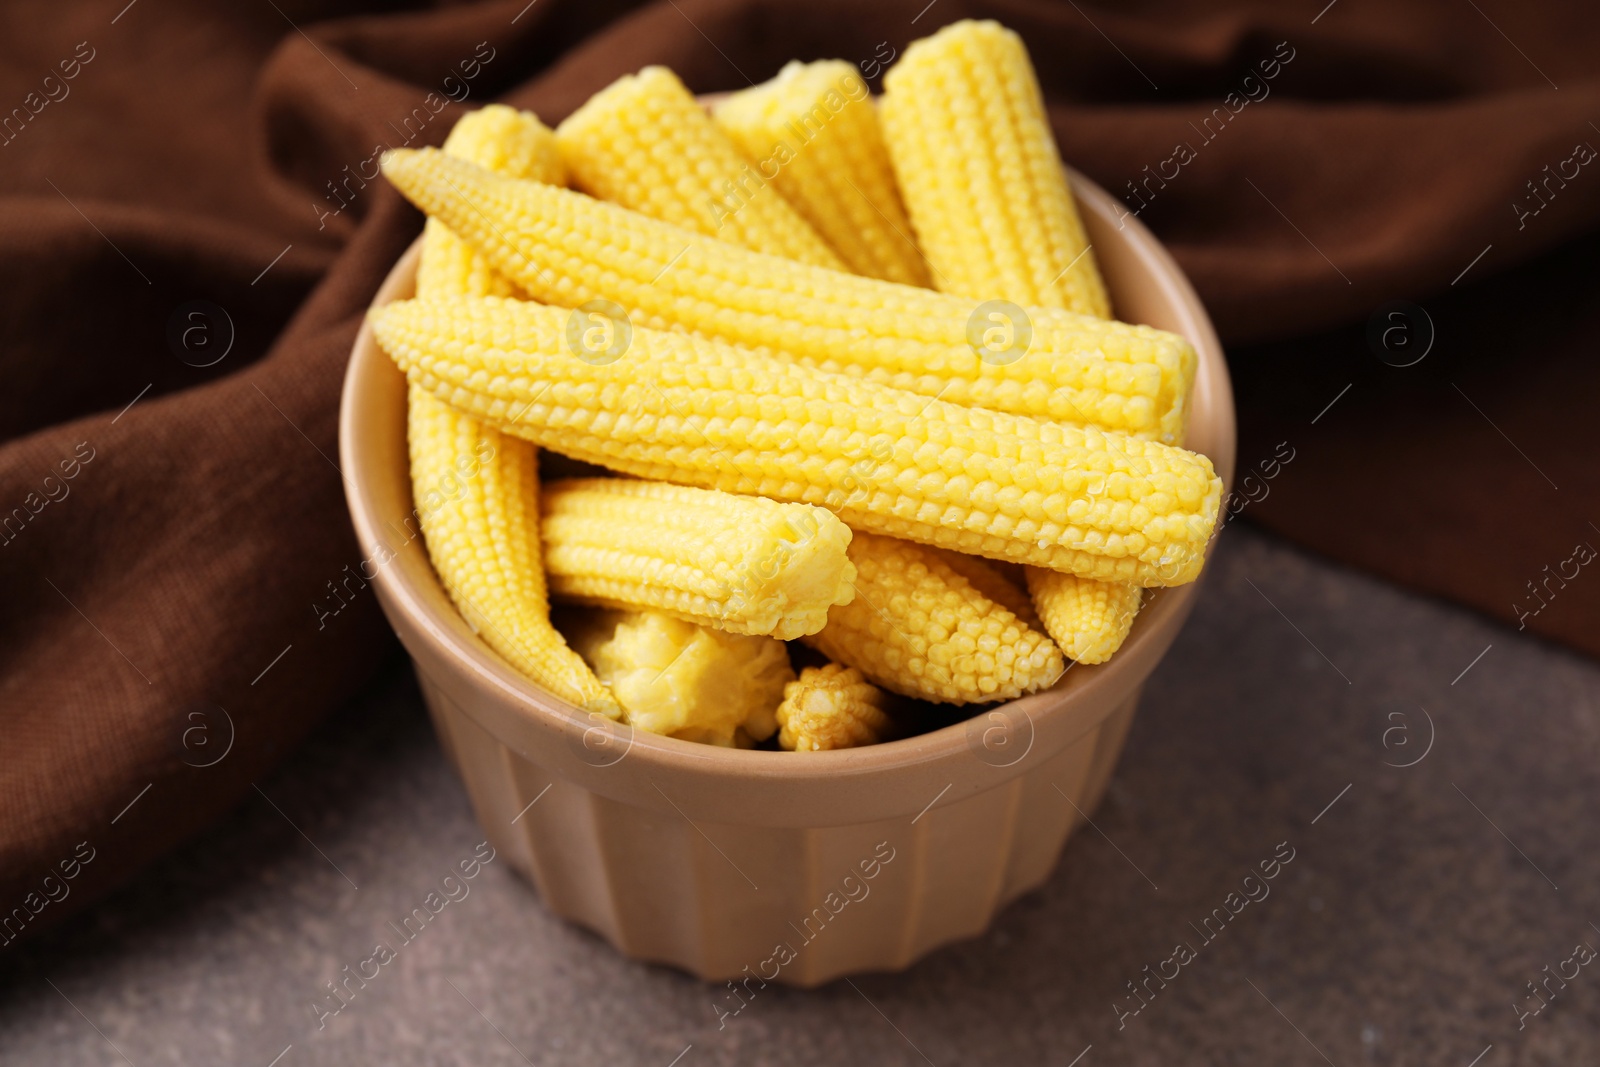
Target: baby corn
x: 831, y: 707
x: 647, y: 144
x: 476, y: 489
x: 567, y: 249
x: 1001, y: 220
x: 688, y: 681
x: 813, y: 133
x: 506, y: 141
x: 1088, y: 619
x: 987, y: 578
x: 982, y: 180
x: 695, y: 411
x: 917, y: 627
x: 736, y: 563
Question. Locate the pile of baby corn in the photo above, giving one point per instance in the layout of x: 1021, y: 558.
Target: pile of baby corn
x: 853, y: 368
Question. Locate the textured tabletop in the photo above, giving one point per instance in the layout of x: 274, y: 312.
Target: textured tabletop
x: 1415, y: 907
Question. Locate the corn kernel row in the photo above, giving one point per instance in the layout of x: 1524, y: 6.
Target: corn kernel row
x: 645, y: 143
x: 813, y: 132
x: 483, y: 539
x: 981, y: 176
x: 1001, y: 219
x: 918, y: 628
x: 737, y: 563
x: 568, y: 249
x: 698, y: 412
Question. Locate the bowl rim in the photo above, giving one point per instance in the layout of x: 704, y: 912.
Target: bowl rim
x: 405, y: 588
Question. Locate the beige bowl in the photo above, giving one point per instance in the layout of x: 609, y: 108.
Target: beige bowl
x: 772, y: 866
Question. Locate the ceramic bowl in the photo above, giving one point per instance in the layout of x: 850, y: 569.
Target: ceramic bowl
x: 773, y: 866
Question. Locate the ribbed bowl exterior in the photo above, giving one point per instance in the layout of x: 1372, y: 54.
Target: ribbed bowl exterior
x: 662, y: 888
x: 763, y: 867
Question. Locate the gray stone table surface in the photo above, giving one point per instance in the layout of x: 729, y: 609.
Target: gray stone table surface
x: 1420, y: 902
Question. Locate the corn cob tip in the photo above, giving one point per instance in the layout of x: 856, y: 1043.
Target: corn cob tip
x: 920, y: 629
x: 625, y: 86
x: 813, y: 131
x: 951, y: 36
x: 769, y: 96
x: 509, y: 142
x: 476, y: 494
x: 832, y: 707
x: 400, y: 164
x: 1088, y: 620
x: 645, y: 143
x: 626, y: 95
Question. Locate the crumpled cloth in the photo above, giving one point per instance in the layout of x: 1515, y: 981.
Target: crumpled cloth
x: 191, y: 226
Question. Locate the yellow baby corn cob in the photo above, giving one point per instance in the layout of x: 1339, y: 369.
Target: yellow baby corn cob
x: 831, y: 707
x: 813, y: 133
x: 987, y: 577
x: 476, y: 489
x: 647, y: 144
x: 695, y: 411
x: 982, y: 180
x: 737, y: 563
x: 505, y: 141
x: 1088, y: 619
x: 688, y: 681
x: 568, y: 249
x: 483, y: 540
x: 1001, y: 221
x: 917, y: 627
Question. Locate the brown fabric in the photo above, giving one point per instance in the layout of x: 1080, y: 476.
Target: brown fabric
x: 185, y: 554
